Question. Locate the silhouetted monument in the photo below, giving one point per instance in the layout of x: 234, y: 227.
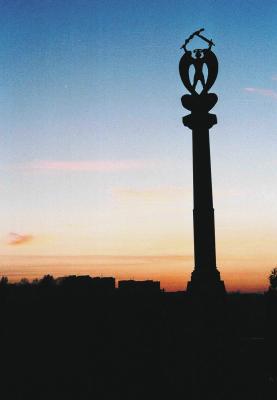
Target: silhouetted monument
x: 205, y: 278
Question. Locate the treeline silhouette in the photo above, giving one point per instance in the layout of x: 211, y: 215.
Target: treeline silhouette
x: 78, y: 337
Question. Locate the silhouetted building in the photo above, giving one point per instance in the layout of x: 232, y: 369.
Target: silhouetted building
x: 133, y: 286
x: 106, y: 284
x: 85, y: 283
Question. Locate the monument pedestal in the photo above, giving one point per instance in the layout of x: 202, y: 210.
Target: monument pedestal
x: 206, y: 284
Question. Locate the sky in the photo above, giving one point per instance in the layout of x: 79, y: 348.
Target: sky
x: 95, y: 164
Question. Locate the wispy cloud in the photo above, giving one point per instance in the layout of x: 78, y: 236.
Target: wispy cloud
x: 15, y: 239
x: 94, y: 166
x: 164, y: 193
x: 262, y: 92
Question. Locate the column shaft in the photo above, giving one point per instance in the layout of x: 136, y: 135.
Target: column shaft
x: 203, y: 213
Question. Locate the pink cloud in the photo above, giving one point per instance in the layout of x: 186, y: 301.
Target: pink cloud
x: 15, y: 239
x: 262, y: 92
x: 109, y: 166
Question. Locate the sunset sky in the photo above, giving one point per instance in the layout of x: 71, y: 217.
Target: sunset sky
x: 95, y: 164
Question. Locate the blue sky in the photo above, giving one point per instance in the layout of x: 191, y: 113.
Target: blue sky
x: 97, y: 81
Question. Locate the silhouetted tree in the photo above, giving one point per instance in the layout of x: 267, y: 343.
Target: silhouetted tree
x: 24, y: 282
x: 4, y: 281
x: 47, y: 281
x: 273, y: 279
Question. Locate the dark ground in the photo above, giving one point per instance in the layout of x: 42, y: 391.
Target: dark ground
x: 61, y: 342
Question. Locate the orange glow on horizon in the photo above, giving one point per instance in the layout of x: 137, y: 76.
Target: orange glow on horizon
x: 172, y: 271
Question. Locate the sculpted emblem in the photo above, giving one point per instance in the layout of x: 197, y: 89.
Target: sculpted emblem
x: 197, y: 58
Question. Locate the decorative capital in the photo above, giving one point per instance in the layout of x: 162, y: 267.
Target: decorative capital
x: 199, y: 104
x: 199, y: 121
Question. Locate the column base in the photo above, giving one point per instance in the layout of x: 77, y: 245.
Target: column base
x: 207, y: 314
x: 206, y: 284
